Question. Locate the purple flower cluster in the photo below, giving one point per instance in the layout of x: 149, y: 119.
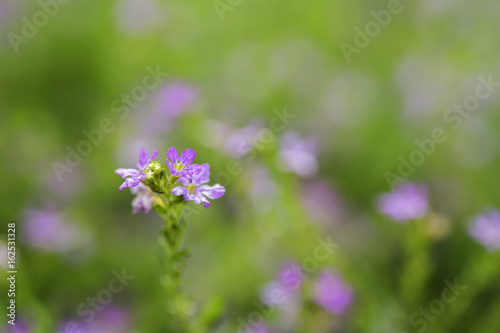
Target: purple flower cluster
x: 408, y: 201
x: 193, y: 177
x: 329, y: 291
x: 485, y: 229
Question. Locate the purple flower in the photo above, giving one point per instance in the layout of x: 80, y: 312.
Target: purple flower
x: 283, y: 291
x: 321, y: 202
x: 64, y: 190
x: 332, y: 294
x: 138, y: 16
x: 298, y: 155
x: 4, y: 254
x: 262, y: 189
x: 194, y: 190
x: 175, y: 98
x: 180, y: 166
x: 408, y: 201
x: 144, y: 198
x: 135, y: 176
x: 259, y: 329
x: 49, y: 231
x: 238, y: 142
x: 20, y: 327
x: 485, y: 229
x: 110, y: 320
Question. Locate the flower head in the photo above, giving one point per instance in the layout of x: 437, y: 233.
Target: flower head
x: 143, y: 200
x: 133, y: 177
x: 194, y: 188
x: 180, y: 166
x: 408, y: 201
x: 486, y: 229
x: 331, y: 293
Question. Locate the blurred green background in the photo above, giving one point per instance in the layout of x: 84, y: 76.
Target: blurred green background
x: 232, y: 66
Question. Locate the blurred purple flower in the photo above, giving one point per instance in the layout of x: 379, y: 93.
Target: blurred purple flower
x: 408, y: 201
x: 291, y: 276
x: 3, y: 255
x: 20, y: 327
x: 8, y: 11
x: 485, y: 229
x: 237, y: 142
x: 283, y: 292
x: 137, y: 16
x: 259, y: 329
x: 136, y: 175
x: 262, y: 188
x: 194, y: 190
x: 64, y: 190
x: 110, y: 320
x: 143, y: 200
x: 50, y: 231
x: 321, y: 202
x: 181, y: 166
x: 299, y: 155
x: 331, y: 293
x: 175, y: 98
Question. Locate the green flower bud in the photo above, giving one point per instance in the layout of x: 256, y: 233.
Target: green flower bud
x: 155, y: 167
x: 150, y: 176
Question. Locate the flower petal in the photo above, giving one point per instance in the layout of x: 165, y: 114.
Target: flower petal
x: 179, y: 190
x: 206, y: 204
x: 143, y: 159
x: 202, y: 175
x: 153, y: 156
x: 197, y: 198
x: 127, y: 172
x: 212, y: 192
x: 187, y: 156
x: 141, y: 188
x: 142, y: 202
x: 131, y: 182
x: 173, y: 155
x: 184, y: 181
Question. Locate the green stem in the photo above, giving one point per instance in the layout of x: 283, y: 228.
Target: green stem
x: 417, y: 268
x: 172, y: 240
